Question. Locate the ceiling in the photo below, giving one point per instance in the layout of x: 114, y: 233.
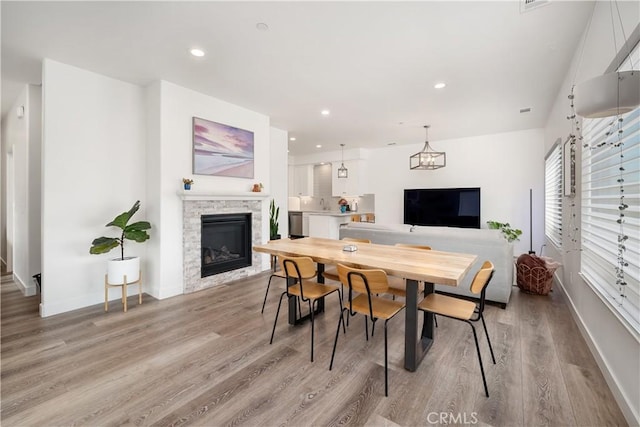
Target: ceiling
x: 372, y: 64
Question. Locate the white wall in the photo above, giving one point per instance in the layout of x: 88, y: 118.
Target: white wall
x: 278, y: 187
x: 178, y: 106
x: 17, y: 143
x: 34, y: 115
x: 93, y: 168
x: 616, y: 349
x: 505, y: 166
x: 21, y: 145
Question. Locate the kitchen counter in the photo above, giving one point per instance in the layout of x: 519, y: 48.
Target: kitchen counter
x: 333, y: 213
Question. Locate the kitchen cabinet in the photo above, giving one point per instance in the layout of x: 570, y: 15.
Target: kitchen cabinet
x: 354, y: 184
x: 301, y: 180
x: 305, y: 224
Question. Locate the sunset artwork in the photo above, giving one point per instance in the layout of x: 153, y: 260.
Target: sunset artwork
x: 221, y: 150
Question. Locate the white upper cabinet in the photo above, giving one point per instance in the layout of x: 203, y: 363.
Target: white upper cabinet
x: 354, y: 184
x: 301, y: 180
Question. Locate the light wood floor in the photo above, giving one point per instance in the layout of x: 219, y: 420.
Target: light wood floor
x: 205, y: 359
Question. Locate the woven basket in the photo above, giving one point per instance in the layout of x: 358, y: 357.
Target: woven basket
x: 536, y: 280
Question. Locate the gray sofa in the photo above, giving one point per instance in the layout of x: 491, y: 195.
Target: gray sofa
x: 487, y: 244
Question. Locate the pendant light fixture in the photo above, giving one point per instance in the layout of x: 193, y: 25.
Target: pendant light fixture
x: 428, y: 158
x: 610, y: 94
x: 342, y: 171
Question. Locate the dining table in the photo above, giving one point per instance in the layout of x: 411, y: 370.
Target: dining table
x: 413, y: 264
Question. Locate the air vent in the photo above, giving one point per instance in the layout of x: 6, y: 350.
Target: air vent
x: 525, y: 110
x: 528, y: 5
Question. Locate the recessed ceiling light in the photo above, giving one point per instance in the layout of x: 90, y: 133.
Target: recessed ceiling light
x: 261, y: 26
x: 439, y: 85
x: 293, y: 138
x: 325, y: 112
x: 197, y: 52
x: 318, y: 146
x: 321, y: 163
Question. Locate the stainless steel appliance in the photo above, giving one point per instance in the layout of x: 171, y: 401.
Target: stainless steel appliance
x: 295, y: 224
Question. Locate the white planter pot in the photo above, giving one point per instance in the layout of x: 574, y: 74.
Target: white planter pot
x: 118, y: 268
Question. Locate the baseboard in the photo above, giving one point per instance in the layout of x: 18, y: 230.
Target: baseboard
x: 27, y: 291
x: 621, y: 399
x: 70, y: 304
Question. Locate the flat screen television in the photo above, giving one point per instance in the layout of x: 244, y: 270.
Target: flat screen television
x: 448, y: 207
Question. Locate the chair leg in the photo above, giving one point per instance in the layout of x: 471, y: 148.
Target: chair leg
x: 344, y: 329
x: 373, y: 326
x: 335, y: 341
x: 488, y: 340
x: 435, y: 320
x: 475, y: 337
x: 266, y: 293
x: 366, y: 327
x: 311, y: 305
x: 386, y: 371
x: 276, y: 319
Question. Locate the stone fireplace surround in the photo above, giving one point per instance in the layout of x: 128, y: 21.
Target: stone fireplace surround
x: 195, y: 205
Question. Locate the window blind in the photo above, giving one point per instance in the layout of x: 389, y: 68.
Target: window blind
x: 553, y: 195
x: 610, y: 257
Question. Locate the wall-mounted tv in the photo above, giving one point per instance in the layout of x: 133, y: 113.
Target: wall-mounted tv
x: 448, y: 207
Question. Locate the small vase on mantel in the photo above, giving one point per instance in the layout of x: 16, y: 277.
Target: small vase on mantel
x: 187, y: 183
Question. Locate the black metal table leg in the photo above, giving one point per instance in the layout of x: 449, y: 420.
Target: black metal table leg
x: 415, y: 348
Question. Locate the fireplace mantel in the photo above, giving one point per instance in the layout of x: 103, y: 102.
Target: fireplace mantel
x: 221, y: 195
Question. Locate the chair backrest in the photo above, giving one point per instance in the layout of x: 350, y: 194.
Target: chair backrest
x: 353, y: 239
x: 298, y: 267
x: 363, y: 281
x: 407, y: 245
x: 482, y: 278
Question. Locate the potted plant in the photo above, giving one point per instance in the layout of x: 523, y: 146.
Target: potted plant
x: 274, y: 211
x: 187, y: 183
x: 118, y: 268
x: 508, y: 233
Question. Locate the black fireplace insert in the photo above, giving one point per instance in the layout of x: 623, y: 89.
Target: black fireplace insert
x: 225, y: 243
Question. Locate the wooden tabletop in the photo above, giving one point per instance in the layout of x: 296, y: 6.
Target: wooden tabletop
x: 443, y: 268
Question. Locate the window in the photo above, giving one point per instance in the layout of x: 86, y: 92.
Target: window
x: 553, y: 195
x: 610, y: 212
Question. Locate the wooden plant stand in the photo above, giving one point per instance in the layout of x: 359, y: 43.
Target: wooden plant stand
x: 124, y: 285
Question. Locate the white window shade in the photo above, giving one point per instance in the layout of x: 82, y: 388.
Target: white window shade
x: 553, y: 195
x: 607, y: 158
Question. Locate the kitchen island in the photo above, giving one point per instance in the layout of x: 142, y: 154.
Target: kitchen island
x: 325, y: 223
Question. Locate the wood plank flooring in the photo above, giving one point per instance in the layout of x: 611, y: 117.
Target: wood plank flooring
x: 204, y: 359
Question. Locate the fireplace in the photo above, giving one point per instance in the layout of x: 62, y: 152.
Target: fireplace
x: 225, y: 243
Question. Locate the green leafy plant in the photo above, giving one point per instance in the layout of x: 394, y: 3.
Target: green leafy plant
x: 136, y: 231
x: 274, y: 211
x: 511, y: 234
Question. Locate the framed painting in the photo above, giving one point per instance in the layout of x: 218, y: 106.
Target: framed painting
x: 221, y: 150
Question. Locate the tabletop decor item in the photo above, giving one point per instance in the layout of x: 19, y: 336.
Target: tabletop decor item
x: 257, y: 187
x: 187, y: 183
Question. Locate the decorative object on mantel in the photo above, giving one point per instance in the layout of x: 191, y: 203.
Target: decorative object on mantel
x: 257, y: 187
x: 221, y: 150
x: 187, y: 183
x: 342, y: 171
x: 274, y: 212
x: 122, y: 271
x: 511, y: 234
x: 428, y: 158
